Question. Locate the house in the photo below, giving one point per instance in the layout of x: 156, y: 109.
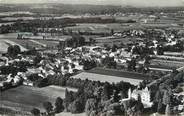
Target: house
x: 145, y: 96
x: 28, y: 83
x: 64, y: 42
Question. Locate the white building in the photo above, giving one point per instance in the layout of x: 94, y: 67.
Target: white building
x: 144, y: 94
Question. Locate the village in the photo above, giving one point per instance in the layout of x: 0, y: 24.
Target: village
x: 92, y: 70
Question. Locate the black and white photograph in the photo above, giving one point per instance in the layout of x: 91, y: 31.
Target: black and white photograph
x: 91, y: 57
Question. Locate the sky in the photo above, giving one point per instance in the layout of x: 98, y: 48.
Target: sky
x: 105, y: 2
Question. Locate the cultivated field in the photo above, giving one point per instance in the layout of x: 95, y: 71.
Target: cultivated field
x: 106, y: 78
x: 166, y: 64
x: 118, y: 73
x: 5, y: 43
x: 10, y: 39
x: 3, y: 47
x: 92, y: 27
x: 70, y: 114
x: 27, y: 43
x: 24, y: 98
x: 49, y: 43
x: 112, y: 76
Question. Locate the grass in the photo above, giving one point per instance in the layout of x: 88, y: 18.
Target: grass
x: 166, y: 64
x: 106, y: 78
x: 112, y: 76
x: 3, y: 46
x: 118, y: 73
x: 49, y: 43
x: 70, y: 114
x: 97, y: 27
x: 24, y: 98
x: 26, y: 43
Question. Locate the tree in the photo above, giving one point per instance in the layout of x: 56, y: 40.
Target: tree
x: 160, y: 50
x: 168, y: 110
x: 160, y: 107
x: 116, y: 108
x: 132, y: 64
x: 69, y: 98
x: 115, y: 96
x: 106, y: 92
x: 139, y: 98
x: 114, y: 48
x: 139, y: 105
x: 35, y: 112
x: 76, y: 106
x: 166, y: 98
x: 112, y: 31
x: 90, y: 106
x: 59, y: 105
x: 48, y: 107
x: 37, y: 59
x: 13, y: 50
x: 17, y: 49
x: 158, y: 96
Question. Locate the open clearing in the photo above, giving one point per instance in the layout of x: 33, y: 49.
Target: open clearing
x: 4, y: 44
x: 106, y: 78
x: 112, y: 76
x: 11, y: 39
x: 97, y: 27
x: 24, y: 98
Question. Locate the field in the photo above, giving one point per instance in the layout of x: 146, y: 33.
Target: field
x: 49, y: 43
x: 24, y: 98
x: 3, y: 46
x: 106, y: 78
x: 118, y: 73
x: 27, y: 43
x: 5, y: 43
x: 166, y: 64
x: 10, y: 39
x: 92, y: 27
x: 70, y: 114
x: 111, y: 76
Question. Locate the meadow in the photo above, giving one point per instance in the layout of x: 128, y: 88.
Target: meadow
x: 24, y: 98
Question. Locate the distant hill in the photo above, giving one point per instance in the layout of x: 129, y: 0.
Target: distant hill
x: 52, y: 8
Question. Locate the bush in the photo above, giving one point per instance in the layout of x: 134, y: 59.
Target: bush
x: 48, y: 107
x: 90, y: 106
x: 76, y: 107
x: 13, y: 50
x: 59, y: 105
x: 35, y: 112
x: 178, y: 90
